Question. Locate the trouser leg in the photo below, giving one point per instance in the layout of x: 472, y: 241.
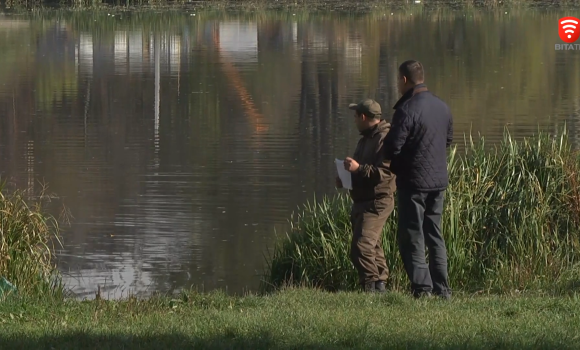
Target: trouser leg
x: 367, y: 254
x: 384, y: 209
x: 411, y: 240
x: 435, y: 242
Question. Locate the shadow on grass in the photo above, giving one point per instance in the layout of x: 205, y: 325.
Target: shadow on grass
x: 231, y: 339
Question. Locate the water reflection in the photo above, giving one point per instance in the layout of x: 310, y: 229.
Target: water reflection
x: 179, y: 150
x: 239, y: 41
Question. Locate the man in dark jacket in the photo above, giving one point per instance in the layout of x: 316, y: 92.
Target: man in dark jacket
x: 373, y: 187
x: 421, y: 132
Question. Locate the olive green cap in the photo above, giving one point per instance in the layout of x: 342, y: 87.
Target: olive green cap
x: 367, y: 107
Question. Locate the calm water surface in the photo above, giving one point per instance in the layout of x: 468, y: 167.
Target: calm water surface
x: 181, y: 142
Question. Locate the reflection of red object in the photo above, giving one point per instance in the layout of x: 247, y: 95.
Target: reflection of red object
x: 569, y: 29
x: 238, y: 84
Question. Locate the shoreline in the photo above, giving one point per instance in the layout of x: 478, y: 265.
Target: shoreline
x: 335, y: 6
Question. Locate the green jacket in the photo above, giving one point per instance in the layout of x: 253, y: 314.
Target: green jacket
x: 374, y: 179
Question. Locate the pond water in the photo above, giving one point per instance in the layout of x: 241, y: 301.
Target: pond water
x: 180, y: 140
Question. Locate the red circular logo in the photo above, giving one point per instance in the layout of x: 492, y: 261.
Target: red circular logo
x: 569, y: 29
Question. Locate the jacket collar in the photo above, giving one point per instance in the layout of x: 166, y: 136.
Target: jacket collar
x: 412, y: 92
x: 372, y: 131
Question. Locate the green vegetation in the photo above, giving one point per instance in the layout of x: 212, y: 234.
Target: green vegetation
x: 293, y: 319
x: 276, y: 4
x: 511, y: 223
x: 27, y: 236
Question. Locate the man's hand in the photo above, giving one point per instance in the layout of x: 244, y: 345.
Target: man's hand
x: 338, y: 182
x: 351, y: 165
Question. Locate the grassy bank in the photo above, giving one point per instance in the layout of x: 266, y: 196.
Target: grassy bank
x: 511, y: 222
x: 293, y: 319
x: 27, y: 238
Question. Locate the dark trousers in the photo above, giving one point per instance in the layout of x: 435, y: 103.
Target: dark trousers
x: 420, y: 225
x: 366, y: 253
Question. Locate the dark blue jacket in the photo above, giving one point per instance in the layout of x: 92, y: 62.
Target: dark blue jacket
x: 421, y: 131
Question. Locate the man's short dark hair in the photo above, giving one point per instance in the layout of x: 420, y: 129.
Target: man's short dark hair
x: 413, y: 71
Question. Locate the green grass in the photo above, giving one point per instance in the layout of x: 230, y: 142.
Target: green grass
x: 293, y: 319
x: 27, y: 235
x: 511, y: 222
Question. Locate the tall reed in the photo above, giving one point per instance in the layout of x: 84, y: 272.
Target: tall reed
x: 27, y: 238
x: 511, y: 222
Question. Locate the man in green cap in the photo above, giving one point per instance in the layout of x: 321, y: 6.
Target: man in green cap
x: 372, y: 193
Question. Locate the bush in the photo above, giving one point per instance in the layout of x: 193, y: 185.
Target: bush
x: 511, y: 221
x: 27, y: 235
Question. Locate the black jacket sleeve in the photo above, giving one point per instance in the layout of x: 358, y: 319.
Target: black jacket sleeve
x: 397, y: 136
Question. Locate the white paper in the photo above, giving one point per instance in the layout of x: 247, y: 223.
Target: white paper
x: 343, y: 174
